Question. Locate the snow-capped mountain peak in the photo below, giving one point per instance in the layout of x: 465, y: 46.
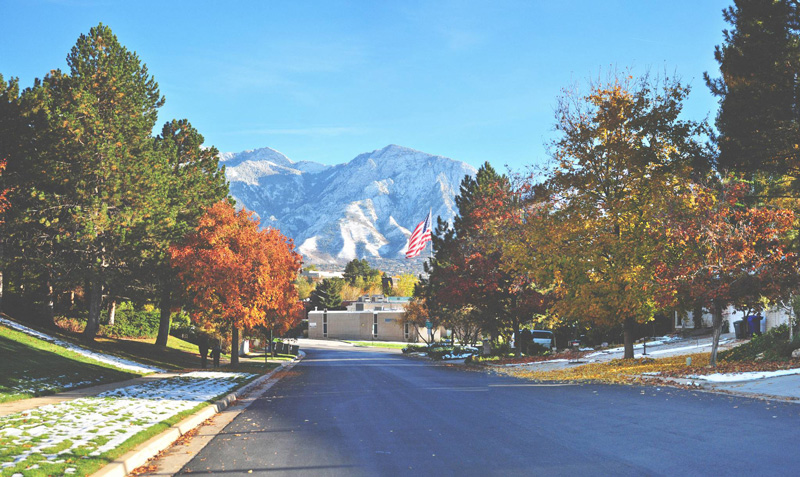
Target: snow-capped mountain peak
x: 362, y: 209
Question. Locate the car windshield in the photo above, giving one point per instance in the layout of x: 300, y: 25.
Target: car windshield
x: 542, y: 334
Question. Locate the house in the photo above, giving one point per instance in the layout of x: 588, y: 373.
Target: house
x: 371, y: 317
x: 773, y: 317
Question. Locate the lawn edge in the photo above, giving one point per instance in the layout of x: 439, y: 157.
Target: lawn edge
x: 131, y: 460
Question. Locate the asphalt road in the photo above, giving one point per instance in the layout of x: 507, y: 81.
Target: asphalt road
x: 356, y: 411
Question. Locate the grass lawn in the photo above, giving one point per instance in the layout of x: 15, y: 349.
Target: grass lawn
x: 30, y: 367
x: 67, y: 438
x: 378, y: 344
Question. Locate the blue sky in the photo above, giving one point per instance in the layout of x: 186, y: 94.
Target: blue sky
x: 325, y: 81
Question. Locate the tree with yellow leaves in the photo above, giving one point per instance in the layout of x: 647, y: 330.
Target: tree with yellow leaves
x: 622, y: 149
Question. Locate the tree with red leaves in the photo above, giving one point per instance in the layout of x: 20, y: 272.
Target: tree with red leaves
x: 236, y: 275
x: 469, y: 285
x: 717, y: 252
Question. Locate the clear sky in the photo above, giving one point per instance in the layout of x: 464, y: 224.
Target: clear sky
x: 327, y: 80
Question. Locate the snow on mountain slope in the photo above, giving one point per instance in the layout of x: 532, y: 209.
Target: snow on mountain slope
x: 365, y: 208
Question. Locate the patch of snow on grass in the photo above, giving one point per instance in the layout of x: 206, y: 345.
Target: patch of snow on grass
x: 94, y: 425
x: 103, y: 358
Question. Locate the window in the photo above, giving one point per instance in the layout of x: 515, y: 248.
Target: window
x: 325, y: 324
x: 374, y: 325
x: 405, y: 331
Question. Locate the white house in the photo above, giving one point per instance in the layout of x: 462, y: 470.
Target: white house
x: 774, y: 316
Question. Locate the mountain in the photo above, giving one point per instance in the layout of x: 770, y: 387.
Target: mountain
x: 365, y: 208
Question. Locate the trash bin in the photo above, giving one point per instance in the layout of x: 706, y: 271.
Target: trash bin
x: 738, y: 327
x: 757, y: 325
x: 294, y: 349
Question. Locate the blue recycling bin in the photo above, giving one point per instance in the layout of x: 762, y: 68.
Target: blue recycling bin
x: 754, y: 325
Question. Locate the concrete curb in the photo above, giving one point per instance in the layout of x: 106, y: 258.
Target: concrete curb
x: 126, y: 463
x: 708, y: 387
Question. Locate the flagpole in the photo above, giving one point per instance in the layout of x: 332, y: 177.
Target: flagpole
x: 430, y: 211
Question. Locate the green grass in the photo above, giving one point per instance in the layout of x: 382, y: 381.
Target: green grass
x: 378, y: 344
x: 36, y: 367
x: 178, y: 355
x: 86, y: 464
x: 31, y: 367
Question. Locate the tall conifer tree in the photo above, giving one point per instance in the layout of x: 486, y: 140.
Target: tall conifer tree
x: 98, y: 173
x: 758, y: 89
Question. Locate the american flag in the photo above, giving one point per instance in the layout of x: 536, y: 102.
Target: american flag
x: 419, y: 237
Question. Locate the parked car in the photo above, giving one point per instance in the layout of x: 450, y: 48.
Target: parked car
x: 543, y: 337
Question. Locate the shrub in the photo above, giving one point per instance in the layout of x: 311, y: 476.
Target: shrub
x: 440, y: 350
x: 774, y: 345
x: 130, y: 322
x: 181, y: 327
x: 415, y: 349
x: 535, y: 349
x: 72, y: 325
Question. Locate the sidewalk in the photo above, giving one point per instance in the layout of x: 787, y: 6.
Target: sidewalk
x: 782, y: 387
x: 778, y: 385
x: 28, y: 404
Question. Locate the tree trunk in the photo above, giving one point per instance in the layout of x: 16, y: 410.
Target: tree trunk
x: 271, y: 344
x: 95, y: 299
x: 717, y: 331
x: 112, y: 311
x: 235, y: 346
x: 517, y: 339
x: 163, y: 326
x: 629, y: 328
x: 49, y: 309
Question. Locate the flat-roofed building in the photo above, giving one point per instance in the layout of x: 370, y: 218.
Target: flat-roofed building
x: 372, y: 317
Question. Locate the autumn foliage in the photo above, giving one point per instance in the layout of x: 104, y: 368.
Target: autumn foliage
x: 236, y: 275
x: 717, y: 252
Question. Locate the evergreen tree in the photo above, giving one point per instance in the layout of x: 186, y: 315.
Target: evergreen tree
x: 466, y: 279
x: 758, y: 89
x: 98, y: 177
x: 193, y: 183
x: 328, y: 294
x: 9, y: 134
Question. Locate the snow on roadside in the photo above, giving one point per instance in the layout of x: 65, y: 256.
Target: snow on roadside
x: 534, y: 363
x: 749, y: 376
x: 56, y: 433
x: 102, y: 357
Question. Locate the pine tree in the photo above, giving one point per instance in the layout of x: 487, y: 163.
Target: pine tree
x: 9, y: 134
x: 193, y: 182
x: 328, y: 294
x: 758, y: 90
x: 466, y: 279
x: 98, y: 177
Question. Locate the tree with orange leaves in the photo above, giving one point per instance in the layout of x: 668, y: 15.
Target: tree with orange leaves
x: 237, y: 275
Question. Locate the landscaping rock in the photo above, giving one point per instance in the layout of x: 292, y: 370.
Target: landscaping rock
x: 796, y: 354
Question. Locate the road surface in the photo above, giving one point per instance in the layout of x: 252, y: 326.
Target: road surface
x: 357, y: 411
